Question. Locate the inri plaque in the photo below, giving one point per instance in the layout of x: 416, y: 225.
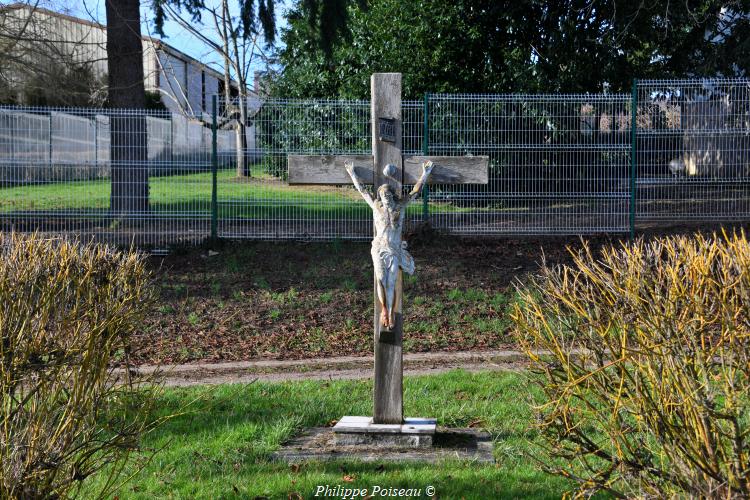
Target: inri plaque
x: 387, y: 129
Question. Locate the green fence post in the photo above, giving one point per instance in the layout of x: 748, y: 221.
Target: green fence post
x: 214, y: 169
x: 633, y: 149
x: 425, y: 151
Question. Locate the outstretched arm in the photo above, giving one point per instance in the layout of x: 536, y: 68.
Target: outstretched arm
x: 358, y: 184
x: 426, y: 171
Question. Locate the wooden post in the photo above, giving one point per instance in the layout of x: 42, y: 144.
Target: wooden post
x: 386, y: 148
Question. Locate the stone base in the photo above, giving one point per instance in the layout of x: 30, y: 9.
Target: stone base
x: 413, y: 433
x: 319, y: 444
x: 385, y: 440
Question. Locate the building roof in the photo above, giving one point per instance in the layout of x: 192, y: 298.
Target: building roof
x: 18, y: 6
x: 160, y: 44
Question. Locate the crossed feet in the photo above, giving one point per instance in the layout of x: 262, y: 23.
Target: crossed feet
x: 385, y: 320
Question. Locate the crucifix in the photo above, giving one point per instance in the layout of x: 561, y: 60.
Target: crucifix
x: 387, y: 170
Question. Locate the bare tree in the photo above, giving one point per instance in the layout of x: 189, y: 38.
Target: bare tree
x: 44, y: 65
x: 44, y: 53
x: 239, y: 49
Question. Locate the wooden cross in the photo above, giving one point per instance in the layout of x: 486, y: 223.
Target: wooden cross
x: 386, y: 149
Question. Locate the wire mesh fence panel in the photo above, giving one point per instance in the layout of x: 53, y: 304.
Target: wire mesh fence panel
x: 693, y: 150
x: 559, y: 164
x: 118, y: 176
x: 101, y: 148
x: 261, y: 203
x: 25, y: 137
x: 412, y: 138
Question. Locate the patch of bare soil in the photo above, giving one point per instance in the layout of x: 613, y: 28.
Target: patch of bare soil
x: 294, y: 300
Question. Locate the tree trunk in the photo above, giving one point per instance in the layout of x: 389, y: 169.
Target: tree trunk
x: 240, y: 143
x: 128, y: 150
x: 242, y: 163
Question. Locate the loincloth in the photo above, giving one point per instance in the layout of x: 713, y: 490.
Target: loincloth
x: 384, y: 257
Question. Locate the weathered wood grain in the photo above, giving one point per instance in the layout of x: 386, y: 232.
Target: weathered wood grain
x: 328, y: 169
x: 385, y: 102
x: 448, y: 169
x: 388, y: 385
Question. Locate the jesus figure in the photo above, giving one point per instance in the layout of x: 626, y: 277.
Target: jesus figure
x: 389, y: 252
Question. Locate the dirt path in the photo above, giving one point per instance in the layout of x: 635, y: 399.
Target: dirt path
x: 345, y: 367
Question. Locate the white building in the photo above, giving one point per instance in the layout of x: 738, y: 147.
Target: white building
x: 184, y: 83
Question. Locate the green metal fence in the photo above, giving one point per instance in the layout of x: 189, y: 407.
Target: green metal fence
x: 692, y: 150
x: 559, y: 164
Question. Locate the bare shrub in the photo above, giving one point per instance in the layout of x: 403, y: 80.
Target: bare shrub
x: 66, y: 313
x: 644, y: 360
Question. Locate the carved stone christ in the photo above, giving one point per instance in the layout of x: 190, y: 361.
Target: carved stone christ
x: 388, y: 249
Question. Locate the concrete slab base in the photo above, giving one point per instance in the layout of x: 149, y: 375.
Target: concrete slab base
x: 320, y: 444
x: 413, y: 433
x: 384, y: 440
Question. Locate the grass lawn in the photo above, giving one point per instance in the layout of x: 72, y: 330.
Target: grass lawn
x: 258, y: 196
x: 220, y: 447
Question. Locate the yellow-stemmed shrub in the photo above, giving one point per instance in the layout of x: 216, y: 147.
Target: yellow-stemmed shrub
x: 644, y: 360
x: 66, y: 313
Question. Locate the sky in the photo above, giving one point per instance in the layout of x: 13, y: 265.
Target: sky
x: 175, y: 35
